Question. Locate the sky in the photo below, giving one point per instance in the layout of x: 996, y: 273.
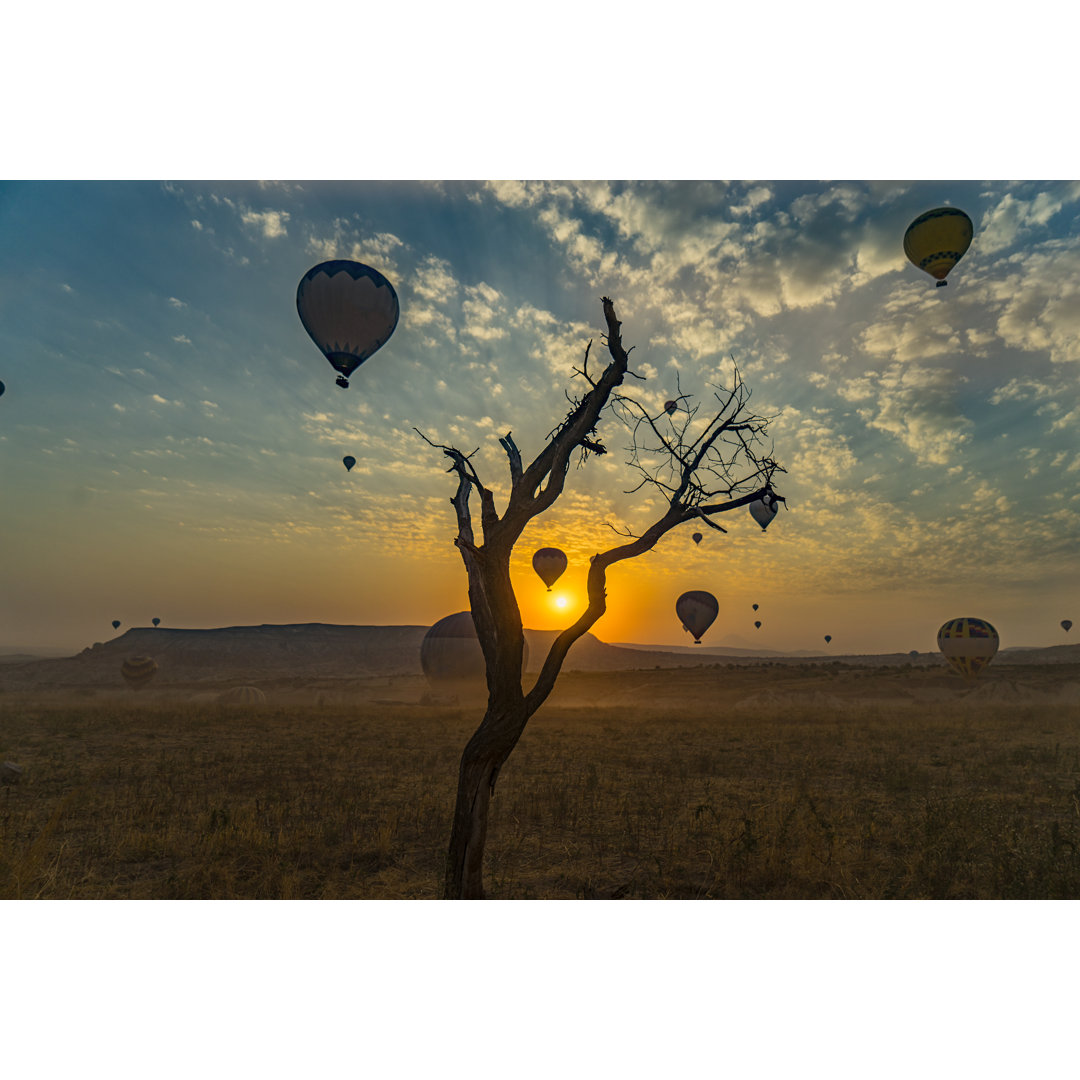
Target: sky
x: 172, y: 438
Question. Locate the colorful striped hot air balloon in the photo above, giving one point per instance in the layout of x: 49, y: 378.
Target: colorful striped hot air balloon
x: 968, y: 644
x: 936, y: 241
x: 138, y: 671
x: 349, y: 309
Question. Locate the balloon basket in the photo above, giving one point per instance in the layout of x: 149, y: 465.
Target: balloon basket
x: 941, y: 284
x: 344, y: 383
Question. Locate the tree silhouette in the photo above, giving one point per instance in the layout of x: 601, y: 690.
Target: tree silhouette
x: 700, y: 469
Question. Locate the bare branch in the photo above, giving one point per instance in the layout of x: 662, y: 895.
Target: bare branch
x: 512, y: 452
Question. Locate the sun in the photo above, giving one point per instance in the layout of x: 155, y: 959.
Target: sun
x: 561, y: 601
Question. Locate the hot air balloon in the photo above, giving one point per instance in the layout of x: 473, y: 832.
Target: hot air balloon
x: 450, y: 653
x: 697, y: 538
x: 138, y: 671
x: 968, y: 644
x: 757, y: 625
x: 348, y: 461
x: 763, y: 511
x: 349, y: 309
x: 670, y: 407
x: 1066, y: 625
x: 155, y: 621
x: 549, y: 563
x: 913, y: 653
x: 116, y: 624
x: 242, y: 695
x: 697, y: 611
x: 828, y: 638
x: 936, y: 241
x: 754, y: 606
x: 2, y: 388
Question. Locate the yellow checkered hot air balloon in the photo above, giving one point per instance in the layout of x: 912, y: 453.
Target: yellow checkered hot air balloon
x: 968, y: 644
x: 936, y: 241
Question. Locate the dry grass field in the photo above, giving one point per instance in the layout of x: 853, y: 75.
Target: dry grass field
x: 713, y: 783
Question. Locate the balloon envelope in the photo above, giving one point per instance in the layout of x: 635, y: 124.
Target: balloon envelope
x: 754, y: 606
x: 1, y: 389
x: 697, y: 611
x: 697, y: 538
x: 763, y: 512
x: 349, y: 310
x: 670, y: 407
x: 549, y: 563
x: 968, y: 644
x: 450, y: 653
x: 155, y: 621
x: 936, y: 241
x: 348, y: 461
x: 116, y: 624
x: 828, y: 638
x: 1066, y: 625
x: 757, y: 625
x: 138, y: 671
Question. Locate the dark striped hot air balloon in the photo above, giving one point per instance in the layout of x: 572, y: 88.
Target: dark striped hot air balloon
x: 670, y: 407
x: 936, y: 241
x: 697, y: 611
x: 243, y: 696
x: 763, y: 511
x: 549, y: 563
x: 138, y: 671
x: 116, y: 624
x: 155, y: 621
x: 349, y: 310
x: 348, y: 461
x: 450, y: 654
x: 697, y: 538
x: 1066, y: 625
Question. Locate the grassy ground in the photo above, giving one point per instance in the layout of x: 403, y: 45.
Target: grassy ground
x: 687, y: 799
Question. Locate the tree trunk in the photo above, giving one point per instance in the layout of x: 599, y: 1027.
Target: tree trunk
x: 484, y: 755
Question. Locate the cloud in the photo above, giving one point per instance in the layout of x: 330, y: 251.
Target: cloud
x: 917, y: 406
x: 1010, y: 218
x: 118, y: 407
x: 347, y: 241
x: 270, y: 222
x: 182, y: 339
x: 1040, y: 302
x: 434, y: 281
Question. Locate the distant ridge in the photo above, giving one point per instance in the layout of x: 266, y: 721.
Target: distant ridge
x: 314, y: 651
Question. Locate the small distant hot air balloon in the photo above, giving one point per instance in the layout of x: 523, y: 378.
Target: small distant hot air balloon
x: 138, y: 671
x: 349, y: 310
x: 697, y: 611
x: 670, y: 407
x: 754, y: 606
x: 763, y: 511
x: 155, y: 621
x: 549, y: 563
x: 697, y: 538
x: 2, y: 388
x: 968, y: 644
x: 348, y: 461
x: 116, y: 624
x: 1066, y: 625
x: 757, y: 625
x: 913, y: 653
x: 936, y: 241
x: 828, y: 638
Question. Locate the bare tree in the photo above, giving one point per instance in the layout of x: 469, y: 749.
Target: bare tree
x: 700, y: 470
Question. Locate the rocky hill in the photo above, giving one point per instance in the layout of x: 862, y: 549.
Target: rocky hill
x: 309, y: 652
